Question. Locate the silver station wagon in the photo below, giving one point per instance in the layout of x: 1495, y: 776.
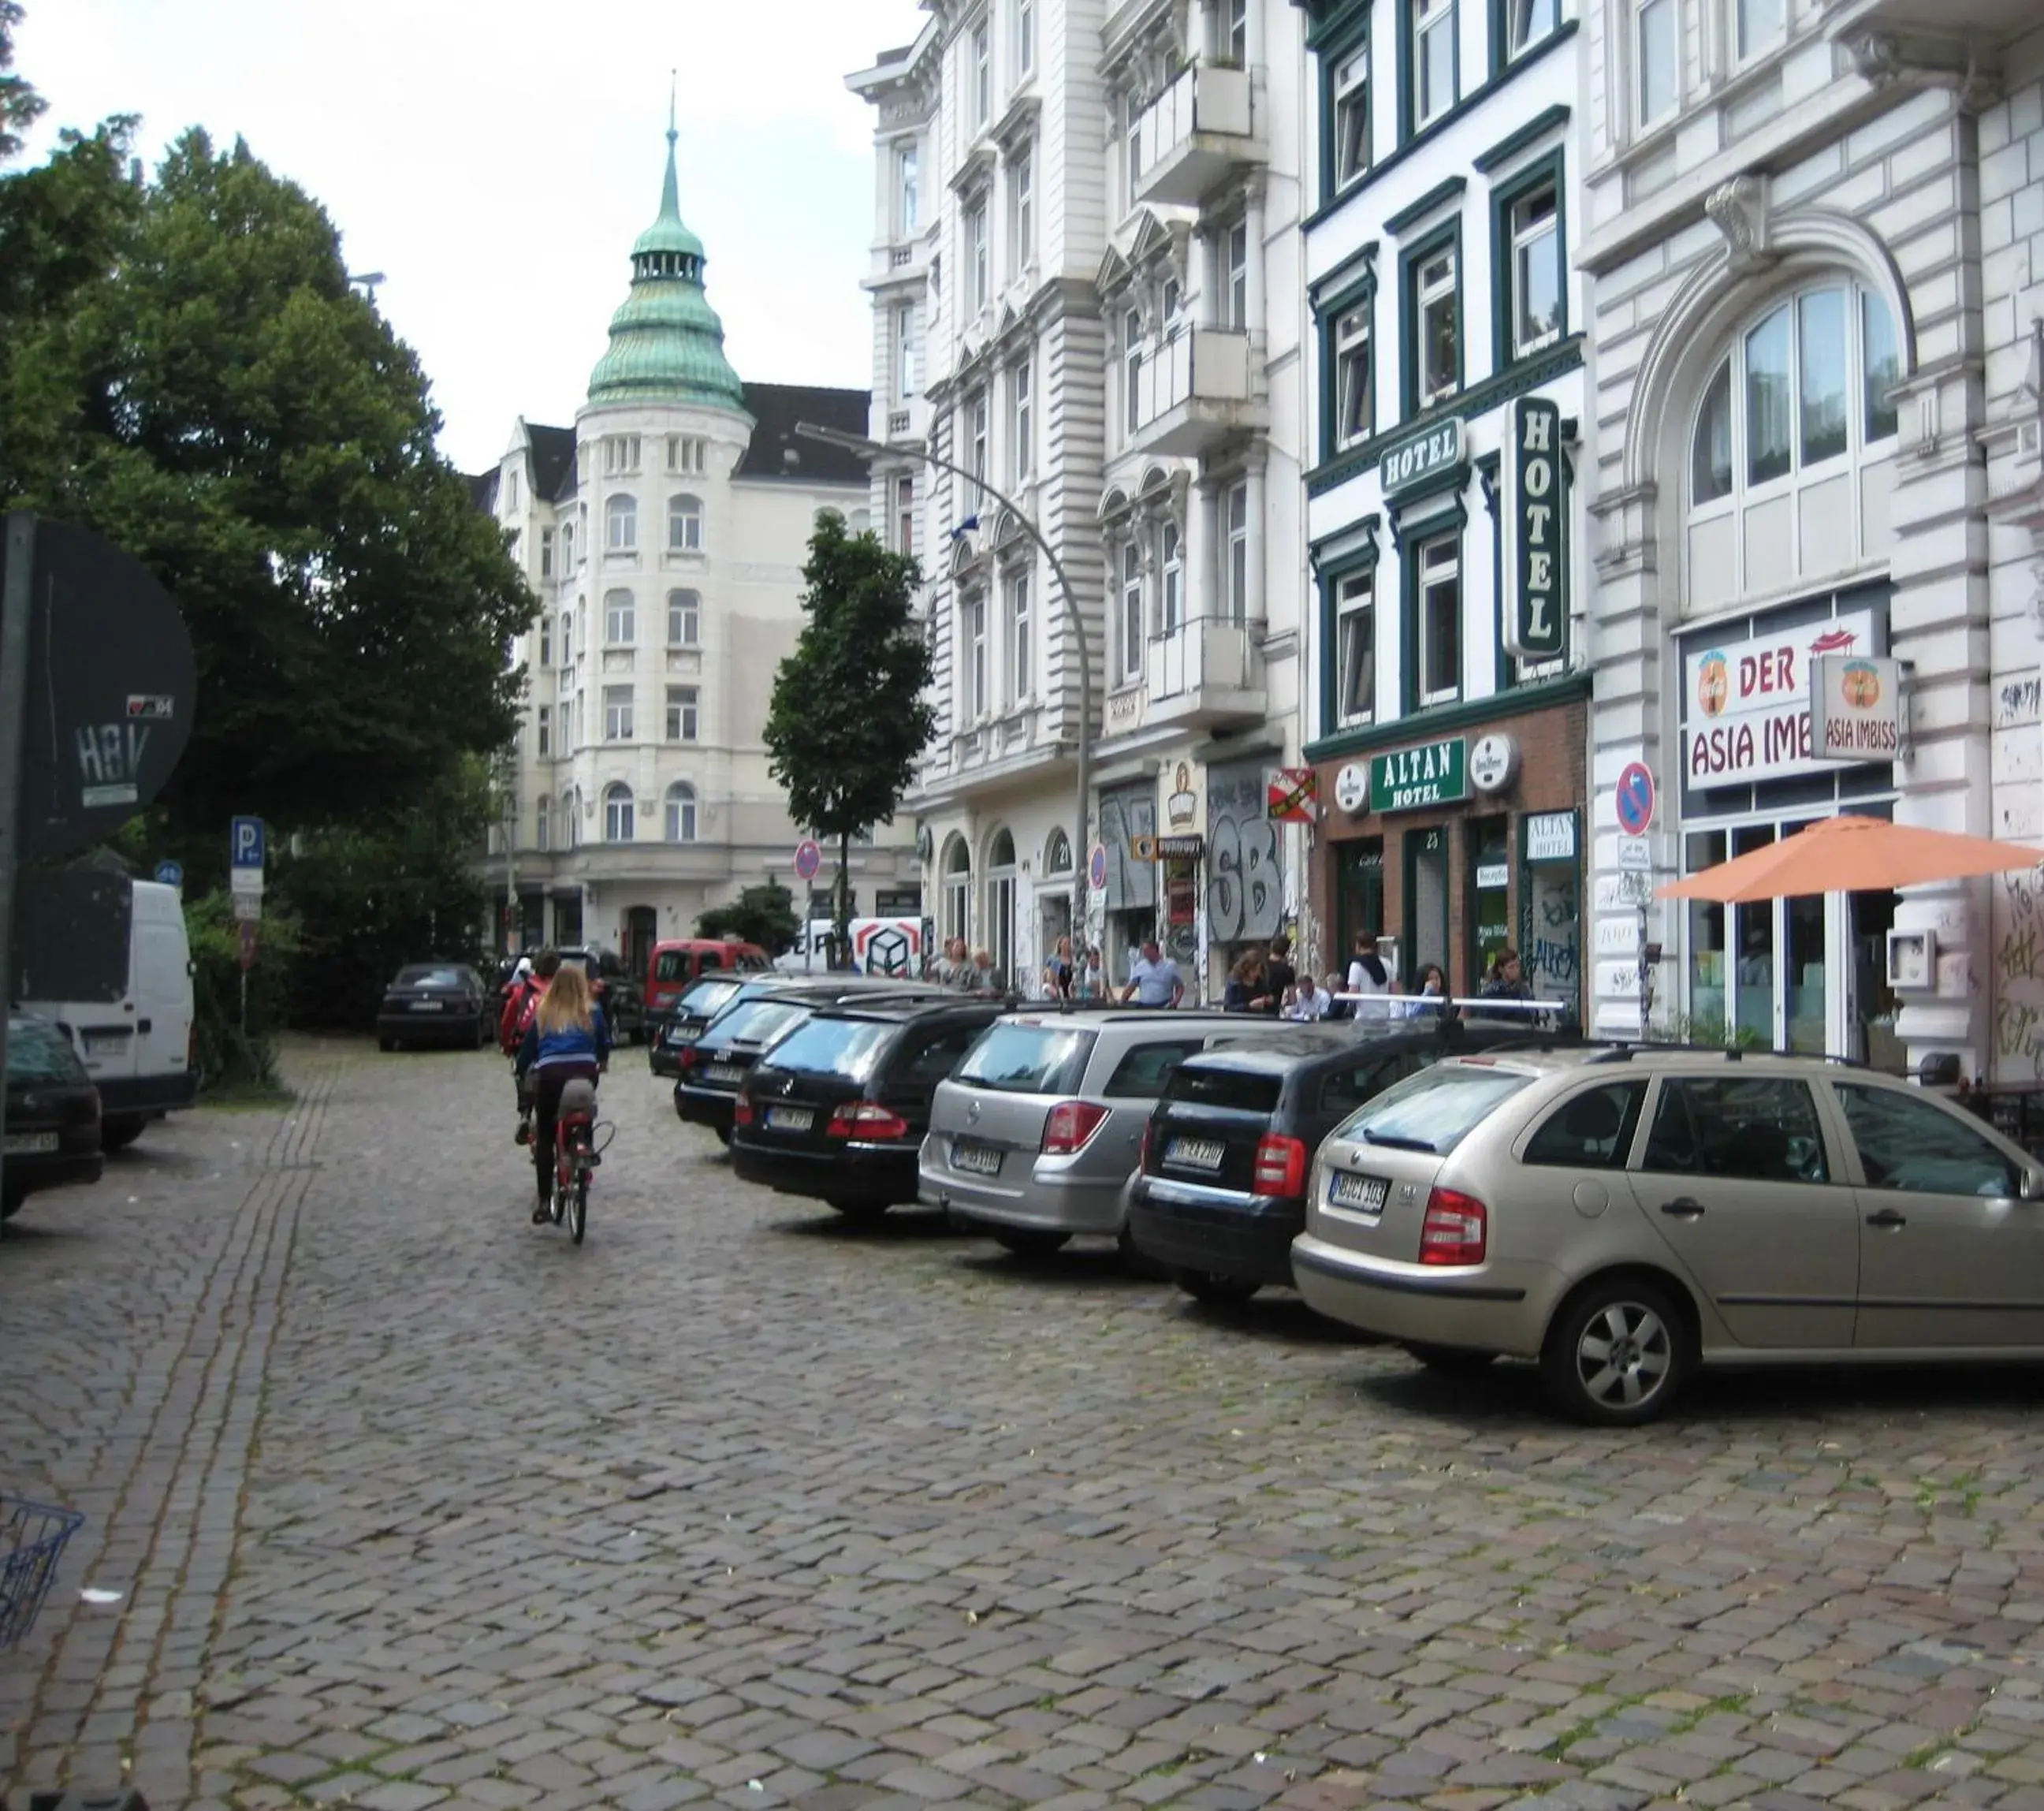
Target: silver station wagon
x: 1038, y: 1131
x: 1621, y: 1215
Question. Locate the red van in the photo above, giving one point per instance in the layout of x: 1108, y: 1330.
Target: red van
x: 676, y: 966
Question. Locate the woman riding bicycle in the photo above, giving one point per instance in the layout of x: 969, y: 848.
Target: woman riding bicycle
x: 568, y: 1041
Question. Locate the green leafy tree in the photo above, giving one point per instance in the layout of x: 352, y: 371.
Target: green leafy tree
x: 850, y: 713
x: 21, y: 106
x: 763, y: 915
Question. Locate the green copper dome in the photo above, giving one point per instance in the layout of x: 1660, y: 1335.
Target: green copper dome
x: 666, y: 344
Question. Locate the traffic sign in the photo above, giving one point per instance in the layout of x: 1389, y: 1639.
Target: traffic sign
x: 1635, y: 854
x: 1097, y: 868
x: 169, y: 874
x: 244, y: 844
x: 808, y: 858
x: 248, y: 907
x: 246, y: 933
x: 1635, y: 798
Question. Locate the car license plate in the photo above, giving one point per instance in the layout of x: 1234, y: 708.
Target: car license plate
x: 790, y: 1119
x: 28, y: 1143
x: 104, y: 1043
x: 1196, y: 1153
x: 1364, y: 1193
x: 428, y: 1006
x: 976, y: 1158
x: 724, y: 1072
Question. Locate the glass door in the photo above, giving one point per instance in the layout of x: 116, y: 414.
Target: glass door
x: 1358, y: 896
x: 1426, y: 937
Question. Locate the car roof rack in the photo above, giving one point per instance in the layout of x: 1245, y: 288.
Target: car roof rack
x: 1617, y: 1050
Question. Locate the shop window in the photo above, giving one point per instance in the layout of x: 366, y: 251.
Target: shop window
x: 1490, y: 893
x: 1355, y: 647
x: 1550, y: 913
x: 1791, y: 451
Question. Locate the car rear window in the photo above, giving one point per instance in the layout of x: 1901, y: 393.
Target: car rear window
x: 1145, y: 1068
x: 1434, y: 1110
x: 1027, y: 1059
x: 421, y: 974
x: 706, y: 997
x: 845, y: 1047
x: 1235, y: 1090
x: 671, y: 965
x: 756, y: 1020
x: 37, y: 1051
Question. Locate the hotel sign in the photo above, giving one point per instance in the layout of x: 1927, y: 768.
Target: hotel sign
x: 1435, y: 773
x: 1535, y: 601
x: 1426, y: 455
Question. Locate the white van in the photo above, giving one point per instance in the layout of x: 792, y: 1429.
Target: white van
x: 137, y: 1048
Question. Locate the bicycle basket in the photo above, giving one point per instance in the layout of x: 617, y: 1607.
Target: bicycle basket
x: 32, y: 1537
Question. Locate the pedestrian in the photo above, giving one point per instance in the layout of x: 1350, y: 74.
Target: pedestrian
x: 1428, y: 1000
x: 1090, y: 983
x: 1367, y: 976
x: 1059, y: 972
x: 946, y: 970
x: 1247, y: 990
x: 1153, y: 979
x: 523, y: 1000
x: 1337, y: 1007
x: 1308, y: 1002
x: 980, y: 976
x: 1506, y: 978
x: 1280, y: 976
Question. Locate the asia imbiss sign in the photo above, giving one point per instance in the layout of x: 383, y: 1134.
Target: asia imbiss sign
x: 1747, y: 702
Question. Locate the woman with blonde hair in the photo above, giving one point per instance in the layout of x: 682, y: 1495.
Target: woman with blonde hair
x: 568, y: 1041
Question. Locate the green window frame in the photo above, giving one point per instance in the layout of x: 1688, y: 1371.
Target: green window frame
x: 1548, y: 173
x: 1332, y: 54
x: 1436, y: 525
x: 1409, y: 128
x: 1327, y: 317
x: 1502, y: 57
x: 1331, y: 578
x: 1410, y: 264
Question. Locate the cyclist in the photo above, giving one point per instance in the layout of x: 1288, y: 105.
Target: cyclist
x: 566, y: 1041
x: 518, y: 1015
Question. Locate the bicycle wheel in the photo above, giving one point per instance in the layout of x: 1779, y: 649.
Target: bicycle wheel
x: 578, y: 1205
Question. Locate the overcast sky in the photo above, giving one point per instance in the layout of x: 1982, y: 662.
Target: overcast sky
x: 495, y: 159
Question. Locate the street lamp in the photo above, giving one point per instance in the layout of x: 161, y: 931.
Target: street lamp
x: 368, y: 280
x: 874, y: 449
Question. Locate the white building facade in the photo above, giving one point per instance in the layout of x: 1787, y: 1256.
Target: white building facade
x: 1805, y: 227
x: 664, y: 535
x: 1447, y: 685
x: 1084, y: 209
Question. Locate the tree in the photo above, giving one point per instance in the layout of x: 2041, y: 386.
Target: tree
x: 761, y: 915
x: 21, y: 106
x: 850, y: 713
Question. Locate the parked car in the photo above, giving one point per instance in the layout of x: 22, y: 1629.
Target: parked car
x: 53, y: 1127
x: 1622, y: 1216
x: 1221, y: 1192
x: 687, y: 1016
x: 716, y: 1065
x: 677, y: 965
x: 836, y: 1108
x: 1035, y: 1136
x: 137, y: 1047
x: 615, y: 988
x: 436, y: 1003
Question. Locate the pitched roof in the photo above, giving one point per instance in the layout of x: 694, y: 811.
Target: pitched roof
x: 777, y: 407
x: 483, y: 490
x: 553, y: 462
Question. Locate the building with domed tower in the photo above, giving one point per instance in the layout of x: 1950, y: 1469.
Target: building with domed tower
x: 664, y: 534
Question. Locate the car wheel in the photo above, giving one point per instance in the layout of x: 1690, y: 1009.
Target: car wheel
x: 118, y: 1131
x: 1215, y: 1291
x: 1449, y: 1361
x: 861, y: 1209
x: 1136, y: 1262
x: 1027, y: 1242
x: 1616, y: 1354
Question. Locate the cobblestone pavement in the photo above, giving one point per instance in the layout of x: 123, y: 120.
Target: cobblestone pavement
x: 413, y: 1505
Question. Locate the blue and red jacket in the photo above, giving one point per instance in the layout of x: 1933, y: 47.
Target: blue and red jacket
x: 570, y: 1046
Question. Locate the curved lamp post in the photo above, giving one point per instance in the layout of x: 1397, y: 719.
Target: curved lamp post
x: 1074, y: 623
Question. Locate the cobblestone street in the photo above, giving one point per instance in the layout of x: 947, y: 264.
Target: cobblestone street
x: 411, y: 1503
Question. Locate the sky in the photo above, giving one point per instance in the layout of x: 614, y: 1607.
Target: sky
x: 495, y: 159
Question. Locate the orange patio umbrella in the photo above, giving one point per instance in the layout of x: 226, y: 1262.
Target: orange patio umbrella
x: 1850, y: 854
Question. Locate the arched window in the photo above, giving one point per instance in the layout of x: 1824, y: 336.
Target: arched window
x: 684, y: 527
x: 1792, y: 455
x: 684, y: 619
x: 621, y: 516
x: 681, y: 813
x: 1001, y: 904
x: 1057, y: 853
x: 571, y: 830
x: 1170, y: 559
x: 567, y: 637
x: 618, y: 826
x: 958, y: 888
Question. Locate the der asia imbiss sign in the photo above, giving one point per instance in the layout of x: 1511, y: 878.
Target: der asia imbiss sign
x: 1746, y: 702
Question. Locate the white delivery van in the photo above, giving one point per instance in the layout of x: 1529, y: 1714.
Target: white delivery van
x: 137, y: 1048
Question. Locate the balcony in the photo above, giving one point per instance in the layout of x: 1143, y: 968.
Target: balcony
x: 1195, y: 134
x: 903, y: 418
x: 896, y: 262
x: 1206, y: 675
x: 1193, y: 393
x: 1943, y: 29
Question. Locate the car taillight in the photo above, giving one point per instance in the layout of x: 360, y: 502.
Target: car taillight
x: 741, y: 1114
x: 1281, y: 1165
x: 1070, y: 1124
x: 1456, y: 1229
x: 1142, y: 1159
x: 865, y: 1120
x: 688, y: 1056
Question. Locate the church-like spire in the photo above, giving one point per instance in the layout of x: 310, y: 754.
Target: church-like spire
x: 666, y: 344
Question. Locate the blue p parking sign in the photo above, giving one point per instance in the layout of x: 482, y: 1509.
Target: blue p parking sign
x: 245, y: 844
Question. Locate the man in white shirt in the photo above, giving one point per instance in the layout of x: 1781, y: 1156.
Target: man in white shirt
x: 1308, y: 1002
x: 1153, y: 979
x: 1366, y: 972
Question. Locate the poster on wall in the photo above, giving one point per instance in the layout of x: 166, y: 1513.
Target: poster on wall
x: 1245, y: 863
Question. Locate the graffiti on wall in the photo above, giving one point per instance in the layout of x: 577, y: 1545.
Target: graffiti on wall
x: 1551, y: 917
x: 1130, y: 812
x: 1245, y: 868
x: 2019, y: 979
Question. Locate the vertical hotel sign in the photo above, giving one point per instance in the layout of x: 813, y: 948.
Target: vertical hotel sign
x: 1535, y: 604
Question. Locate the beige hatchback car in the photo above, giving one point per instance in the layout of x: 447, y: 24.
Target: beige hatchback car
x: 1621, y: 1215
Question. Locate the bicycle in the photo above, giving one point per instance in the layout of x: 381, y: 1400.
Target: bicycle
x: 576, y: 1153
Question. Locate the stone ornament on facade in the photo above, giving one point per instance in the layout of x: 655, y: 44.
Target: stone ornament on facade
x: 1885, y: 60
x: 1740, y: 210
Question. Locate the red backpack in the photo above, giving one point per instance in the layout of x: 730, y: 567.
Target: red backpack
x: 519, y: 1012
